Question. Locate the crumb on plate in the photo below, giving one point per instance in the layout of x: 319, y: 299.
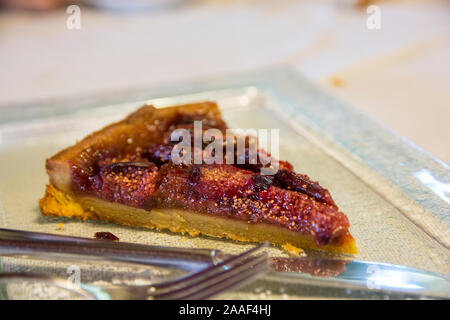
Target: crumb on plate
x: 106, y: 236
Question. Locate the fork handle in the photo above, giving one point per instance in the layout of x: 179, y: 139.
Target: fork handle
x: 49, y: 246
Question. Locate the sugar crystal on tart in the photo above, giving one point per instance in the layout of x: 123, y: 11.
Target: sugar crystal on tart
x: 125, y: 173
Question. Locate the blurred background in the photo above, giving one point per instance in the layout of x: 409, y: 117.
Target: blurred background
x: 398, y: 73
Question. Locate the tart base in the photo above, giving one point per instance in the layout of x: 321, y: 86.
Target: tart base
x: 59, y: 203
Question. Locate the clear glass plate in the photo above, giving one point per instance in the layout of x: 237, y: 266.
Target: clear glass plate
x: 395, y: 195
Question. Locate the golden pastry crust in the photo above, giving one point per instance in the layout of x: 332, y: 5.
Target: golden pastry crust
x: 58, y: 203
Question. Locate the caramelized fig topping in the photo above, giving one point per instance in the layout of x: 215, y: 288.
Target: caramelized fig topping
x: 195, y: 174
x: 260, y: 182
x: 117, y: 166
x: 290, y: 180
x: 159, y: 153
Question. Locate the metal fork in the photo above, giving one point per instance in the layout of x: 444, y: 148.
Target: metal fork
x: 203, y: 284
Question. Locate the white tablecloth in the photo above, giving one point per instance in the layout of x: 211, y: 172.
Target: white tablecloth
x: 399, y: 75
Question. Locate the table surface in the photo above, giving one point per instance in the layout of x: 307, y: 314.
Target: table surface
x: 398, y: 75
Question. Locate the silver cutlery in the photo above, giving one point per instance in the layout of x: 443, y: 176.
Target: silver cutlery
x: 45, y: 245
x: 320, y: 272
x: 203, y: 284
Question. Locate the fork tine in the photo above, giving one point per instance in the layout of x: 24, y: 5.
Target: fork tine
x: 203, y: 275
x: 230, y: 283
x: 178, y: 293
x: 218, y: 285
x: 214, y: 278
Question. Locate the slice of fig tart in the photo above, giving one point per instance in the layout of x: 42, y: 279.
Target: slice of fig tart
x: 125, y: 173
